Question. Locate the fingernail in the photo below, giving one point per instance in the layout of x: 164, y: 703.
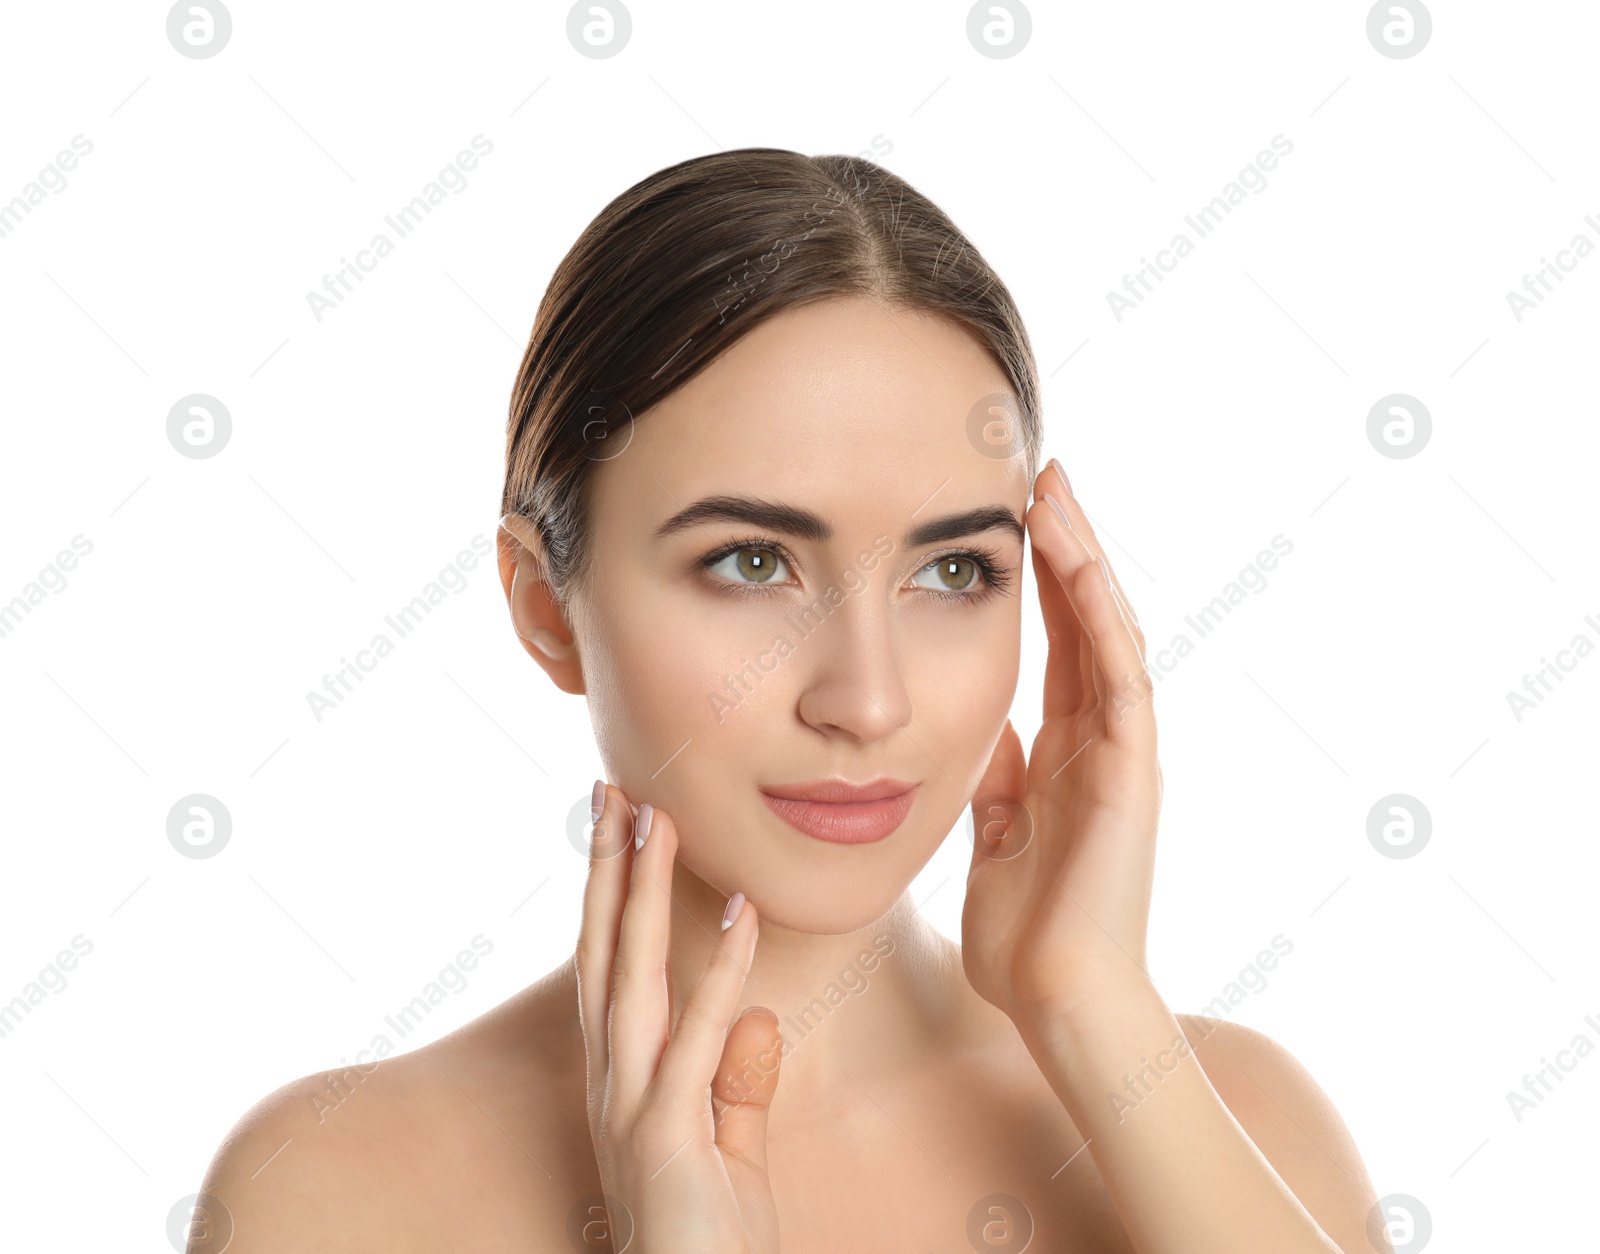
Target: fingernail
x: 1105, y: 571
x: 641, y: 825
x: 735, y: 904
x: 1062, y: 473
x: 597, y: 801
x: 1061, y: 513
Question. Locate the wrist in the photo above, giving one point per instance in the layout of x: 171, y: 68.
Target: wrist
x: 1071, y: 1017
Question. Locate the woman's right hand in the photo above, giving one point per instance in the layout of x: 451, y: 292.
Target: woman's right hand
x: 677, y: 1112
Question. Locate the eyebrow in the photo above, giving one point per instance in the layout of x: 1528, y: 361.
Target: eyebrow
x: 794, y: 521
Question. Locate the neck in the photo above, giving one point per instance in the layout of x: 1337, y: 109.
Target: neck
x: 848, y: 1005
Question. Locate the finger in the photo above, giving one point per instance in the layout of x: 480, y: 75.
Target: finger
x: 1078, y: 519
x: 1064, y: 555
x: 746, y: 1079
x: 1128, y: 616
x: 1128, y: 620
x: 603, y: 897
x: 1088, y: 676
x: 1124, y: 680
x: 1053, y: 479
x: 1117, y: 661
x: 640, y: 978
x: 996, y: 801
x: 690, y: 1061
x: 1066, y: 673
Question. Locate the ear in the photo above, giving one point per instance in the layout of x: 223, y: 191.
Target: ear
x: 534, y: 613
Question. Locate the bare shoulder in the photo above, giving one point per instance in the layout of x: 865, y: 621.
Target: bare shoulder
x: 304, y: 1167
x: 1292, y: 1121
x: 382, y: 1153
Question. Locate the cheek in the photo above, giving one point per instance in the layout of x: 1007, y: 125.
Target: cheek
x: 964, y: 672
x: 965, y: 681
x: 668, y: 674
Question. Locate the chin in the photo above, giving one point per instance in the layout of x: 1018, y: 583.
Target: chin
x: 823, y: 902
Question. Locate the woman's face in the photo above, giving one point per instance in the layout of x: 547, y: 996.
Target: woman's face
x: 724, y: 656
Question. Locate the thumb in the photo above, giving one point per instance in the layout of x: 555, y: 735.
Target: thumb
x: 743, y: 1087
x: 998, y: 819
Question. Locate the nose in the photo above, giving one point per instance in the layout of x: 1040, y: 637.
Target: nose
x: 855, y: 687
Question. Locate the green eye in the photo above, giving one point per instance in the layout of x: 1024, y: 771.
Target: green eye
x: 955, y: 574
x: 750, y: 565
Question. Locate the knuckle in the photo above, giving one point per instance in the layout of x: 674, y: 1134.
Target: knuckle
x: 614, y: 1137
x: 623, y: 973
x: 696, y: 1018
x: 653, y: 1136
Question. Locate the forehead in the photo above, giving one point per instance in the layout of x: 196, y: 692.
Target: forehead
x: 844, y: 406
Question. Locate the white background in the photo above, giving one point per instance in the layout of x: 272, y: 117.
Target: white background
x: 1231, y: 406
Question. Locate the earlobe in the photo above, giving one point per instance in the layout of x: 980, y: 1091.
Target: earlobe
x: 547, y: 642
x: 536, y: 617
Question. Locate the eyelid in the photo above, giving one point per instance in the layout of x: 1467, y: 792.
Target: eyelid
x: 991, y: 569
x: 738, y: 546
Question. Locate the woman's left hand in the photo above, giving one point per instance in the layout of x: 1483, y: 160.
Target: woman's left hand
x: 1058, y: 895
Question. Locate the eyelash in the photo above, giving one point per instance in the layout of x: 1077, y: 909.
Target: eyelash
x: 995, y: 578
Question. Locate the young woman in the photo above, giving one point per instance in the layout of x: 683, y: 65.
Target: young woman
x: 770, y: 460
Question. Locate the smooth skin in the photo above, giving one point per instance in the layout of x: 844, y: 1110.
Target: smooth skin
x: 683, y: 1174
x: 922, y: 1078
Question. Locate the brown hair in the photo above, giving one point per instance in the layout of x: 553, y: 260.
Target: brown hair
x: 677, y: 268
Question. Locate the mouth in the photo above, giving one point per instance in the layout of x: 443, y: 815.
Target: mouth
x: 840, y: 812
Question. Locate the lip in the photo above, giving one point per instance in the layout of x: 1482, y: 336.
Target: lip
x: 842, y: 812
